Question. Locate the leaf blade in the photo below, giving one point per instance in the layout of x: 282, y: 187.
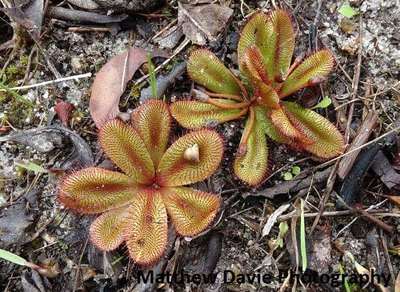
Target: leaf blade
x: 195, y: 114
x: 314, y: 68
x: 95, y: 190
x: 324, y: 103
x: 31, y: 166
x: 328, y: 142
x: 262, y: 114
x: 303, y: 247
x: 124, y: 146
x: 252, y: 166
x: 267, y: 96
x: 281, y: 44
x: 347, y: 11
x: 146, y: 229
x: 206, y: 69
x: 106, y: 231
x: 191, y: 211
x: 175, y: 170
x: 13, y: 258
x: 152, y: 120
x: 284, y: 126
x: 254, y: 67
x: 255, y: 32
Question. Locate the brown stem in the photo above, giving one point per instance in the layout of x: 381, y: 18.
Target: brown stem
x: 295, y: 64
x: 246, y: 134
x: 239, y: 114
x: 388, y: 228
x: 224, y: 95
x: 242, y: 88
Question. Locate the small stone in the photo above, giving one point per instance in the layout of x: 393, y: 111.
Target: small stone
x: 76, y: 64
x: 347, y: 25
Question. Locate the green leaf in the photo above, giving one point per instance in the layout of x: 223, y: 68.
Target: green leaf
x: 207, y: 70
x: 193, y: 114
x: 9, y: 256
x: 269, y: 129
x: 303, y: 249
x: 152, y: 76
x: 31, y: 166
x: 5, y: 88
x: 345, y: 282
x: 311, y: 71
x: 347, y: 11
x: 287, y: 176
x: 324, y: 103
x: 252, y: 166
x: 328, y: 142
x: 283, y: 229
x: 296, y: 170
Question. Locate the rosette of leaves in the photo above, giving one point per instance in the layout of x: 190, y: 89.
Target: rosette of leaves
x: 268, y: 76
x: 135, y: 204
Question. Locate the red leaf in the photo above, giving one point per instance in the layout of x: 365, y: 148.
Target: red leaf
x: 4, y: 129
x: 63, y: 110
x: 110, y: 83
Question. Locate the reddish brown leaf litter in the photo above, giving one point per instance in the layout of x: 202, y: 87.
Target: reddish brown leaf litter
x: 63, y: 110
x: 111, y: 81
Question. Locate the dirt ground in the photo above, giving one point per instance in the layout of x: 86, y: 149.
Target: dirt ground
x: 35, y: 226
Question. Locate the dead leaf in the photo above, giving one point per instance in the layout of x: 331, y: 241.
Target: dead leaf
x: 131, y: 5
x: 28, y: 14
x: 85, y: 4
x: 16, y: 219
x: 49, y: 138
x: 63, y: 110
x: 170, y: 38
x: 396, y: 161
x: 382, y: 167
x: 272, y: 219
x: 203, y: 22
x: 31, y: 281
x: 203, y: 254
x: 79, y: 16
x: 110, y: 83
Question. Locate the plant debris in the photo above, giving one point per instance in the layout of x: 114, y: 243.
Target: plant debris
x: 47, y: 139
x: 111, y: 81
x: 50, y: 50
x: 202, y: 23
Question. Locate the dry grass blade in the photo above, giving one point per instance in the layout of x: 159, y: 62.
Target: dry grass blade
x: 303, y: 248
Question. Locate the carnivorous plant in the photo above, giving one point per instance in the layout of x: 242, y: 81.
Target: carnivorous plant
x: 268, y: 76
x: 135, y: 205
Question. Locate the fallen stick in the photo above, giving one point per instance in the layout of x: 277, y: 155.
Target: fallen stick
x: 84, y: 16
x: 75, y: 77
x: 294, y: 185
x: 338, y: 213
x: 386, y: 227
x: 364, y: 214
x: 352, y: 184
x: 362, y: 136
